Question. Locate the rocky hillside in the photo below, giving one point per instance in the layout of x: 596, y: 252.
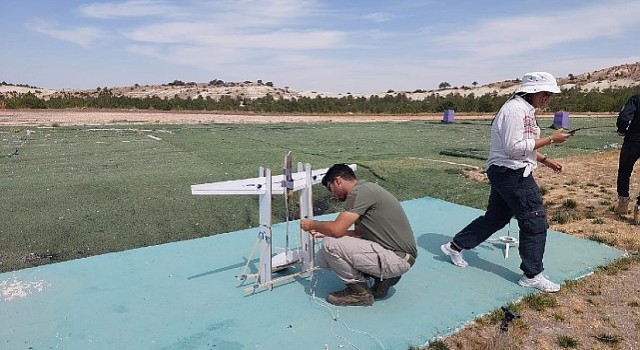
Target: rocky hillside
x: 617, y: 76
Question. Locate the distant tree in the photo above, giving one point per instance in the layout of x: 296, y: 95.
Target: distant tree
x: 474, y: 83
x: 573, y: 99
x: 444, y: 85
x: 269, y: 83
x: 571, y: 77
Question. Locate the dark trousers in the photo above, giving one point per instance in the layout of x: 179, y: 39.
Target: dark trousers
x: 511, y: 195
x: 629, y: 155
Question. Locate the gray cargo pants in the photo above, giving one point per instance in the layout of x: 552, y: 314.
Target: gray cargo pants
x: 350, y: 258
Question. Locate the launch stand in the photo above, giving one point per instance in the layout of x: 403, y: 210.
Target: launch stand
x: 265, y: 186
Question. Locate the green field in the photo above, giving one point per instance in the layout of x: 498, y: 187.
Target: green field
x: 72, y: 192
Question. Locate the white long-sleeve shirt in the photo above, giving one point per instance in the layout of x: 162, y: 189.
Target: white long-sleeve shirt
x: 514, y: 132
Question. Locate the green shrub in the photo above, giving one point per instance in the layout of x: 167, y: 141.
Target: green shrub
x: 561, y: 218
x: 605, y: 338
x: 566, y: 342
x: 570, y: 204
x: 437, y: 345
x: 540, y: 301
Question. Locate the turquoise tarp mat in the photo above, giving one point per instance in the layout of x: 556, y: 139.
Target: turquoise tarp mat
x: 185, y: 295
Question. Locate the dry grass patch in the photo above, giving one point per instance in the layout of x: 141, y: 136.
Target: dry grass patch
x: 596, y: 312
x: 599, y: 311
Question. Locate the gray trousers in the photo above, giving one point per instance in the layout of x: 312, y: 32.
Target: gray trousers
x: 350, y: 258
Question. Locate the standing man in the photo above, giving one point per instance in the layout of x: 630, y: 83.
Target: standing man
x: 515, y: 141
x: 380, y: 245
x: 628, y: 124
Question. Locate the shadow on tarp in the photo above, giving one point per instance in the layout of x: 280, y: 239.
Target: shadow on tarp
x: 185, y: 295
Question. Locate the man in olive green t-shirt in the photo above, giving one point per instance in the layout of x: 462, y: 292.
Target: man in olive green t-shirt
x: 381, y: 244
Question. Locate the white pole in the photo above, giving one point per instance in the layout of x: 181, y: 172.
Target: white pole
x: 265, y: 234
x: 306, y: 211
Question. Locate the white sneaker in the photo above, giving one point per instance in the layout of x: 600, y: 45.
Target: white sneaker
x: 456, y: 256
x: 540, y: 282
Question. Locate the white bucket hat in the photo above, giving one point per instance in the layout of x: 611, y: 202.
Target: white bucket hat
x: 538, y: 81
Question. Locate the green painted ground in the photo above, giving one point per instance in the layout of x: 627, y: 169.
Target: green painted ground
x: 71, y: 192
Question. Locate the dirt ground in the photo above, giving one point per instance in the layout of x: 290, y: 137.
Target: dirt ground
x: 601, y: 311
x: 99, y: 117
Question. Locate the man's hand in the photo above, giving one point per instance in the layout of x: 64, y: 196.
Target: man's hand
x: 316, y: 234
x: 336, y: 228
x: 306, y: 224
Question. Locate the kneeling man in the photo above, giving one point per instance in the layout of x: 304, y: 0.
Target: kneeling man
x: 381, y: 245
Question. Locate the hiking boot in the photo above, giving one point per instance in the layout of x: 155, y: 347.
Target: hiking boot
x: 356, y: 294
x: 623, y: 206
x: 456, y: 256
x: 381, y: 287
x: 540, y: 282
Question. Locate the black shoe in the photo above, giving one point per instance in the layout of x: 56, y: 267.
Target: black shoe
x: 357, y: 294
x: 381, y: 287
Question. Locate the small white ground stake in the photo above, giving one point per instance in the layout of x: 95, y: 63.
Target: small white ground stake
x: 507, y: 240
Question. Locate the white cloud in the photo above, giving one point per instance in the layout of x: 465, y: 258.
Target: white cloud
x: 83, y: 36
x: 378, y: 17
x: 208, y: 34
x: 231, y: 12
x: 516, y: 35
x: 136, y: 8
x: 205, y: 58
x: 257, y: 13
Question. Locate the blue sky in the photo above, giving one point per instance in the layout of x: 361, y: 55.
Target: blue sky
x: 327, y: 46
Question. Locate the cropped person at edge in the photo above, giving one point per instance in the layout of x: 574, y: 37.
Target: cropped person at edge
x: 513, y: 155
x: 628, y: 125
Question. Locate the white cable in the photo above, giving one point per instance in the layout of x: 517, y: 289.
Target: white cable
x: 335, y: 317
